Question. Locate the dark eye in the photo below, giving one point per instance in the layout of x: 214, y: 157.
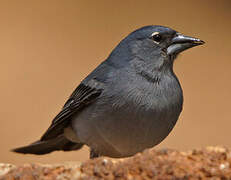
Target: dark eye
x: 156, y: 37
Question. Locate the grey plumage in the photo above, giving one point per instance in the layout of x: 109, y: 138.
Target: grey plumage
x: 130, y: 102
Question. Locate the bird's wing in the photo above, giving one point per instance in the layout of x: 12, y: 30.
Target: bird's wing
x: 80, y: 98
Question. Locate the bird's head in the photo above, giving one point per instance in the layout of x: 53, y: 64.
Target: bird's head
x: 154, y: 44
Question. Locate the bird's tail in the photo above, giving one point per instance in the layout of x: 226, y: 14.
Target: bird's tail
x: 44, y: 147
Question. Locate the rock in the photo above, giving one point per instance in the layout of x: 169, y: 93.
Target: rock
x: 5, y: 168
x: 208, y: 163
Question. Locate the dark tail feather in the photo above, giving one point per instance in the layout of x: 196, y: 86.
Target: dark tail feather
x: 44, y: 147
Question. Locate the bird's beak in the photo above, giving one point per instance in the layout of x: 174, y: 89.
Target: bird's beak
x: 180, y: 43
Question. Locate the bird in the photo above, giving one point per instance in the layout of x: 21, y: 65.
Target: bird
x: 129, y: 103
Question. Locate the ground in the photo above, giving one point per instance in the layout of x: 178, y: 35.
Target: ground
x: 209, y: 163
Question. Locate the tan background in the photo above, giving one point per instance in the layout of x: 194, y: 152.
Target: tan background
x: 48, y: 47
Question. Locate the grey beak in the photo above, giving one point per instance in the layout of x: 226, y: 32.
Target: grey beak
x: 180, y: 43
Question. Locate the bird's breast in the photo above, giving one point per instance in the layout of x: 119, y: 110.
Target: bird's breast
x: 130, y: 118
x: 140, y: 117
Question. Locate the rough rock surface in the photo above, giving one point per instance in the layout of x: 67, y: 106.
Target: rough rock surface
x: 209, y: 163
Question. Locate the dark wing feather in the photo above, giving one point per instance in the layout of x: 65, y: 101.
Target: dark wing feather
x: 81, y: 97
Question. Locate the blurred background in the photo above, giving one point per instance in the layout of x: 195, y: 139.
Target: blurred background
x: 48, y: 47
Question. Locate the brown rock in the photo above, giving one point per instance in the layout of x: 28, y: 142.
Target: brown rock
x: 210, y: 163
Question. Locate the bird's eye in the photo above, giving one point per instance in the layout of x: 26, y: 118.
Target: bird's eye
x: 156, y: 37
